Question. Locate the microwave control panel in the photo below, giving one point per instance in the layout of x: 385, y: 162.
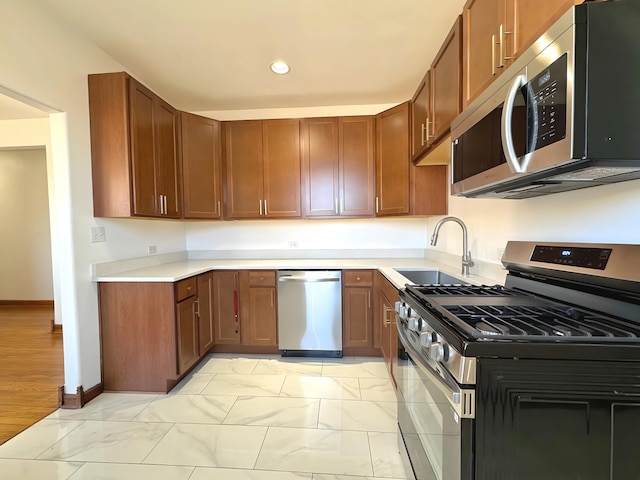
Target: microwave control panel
x: 547, y: 105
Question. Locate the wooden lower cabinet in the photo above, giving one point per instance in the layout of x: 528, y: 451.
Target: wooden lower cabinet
x: 226, y: 311
x: 259, y: 321
x: 187, y: 333
x: 357, y: 312
x: 152, y: 333
x: 385, y: 322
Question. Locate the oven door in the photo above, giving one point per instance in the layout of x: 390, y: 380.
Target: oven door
x: 439, y: 442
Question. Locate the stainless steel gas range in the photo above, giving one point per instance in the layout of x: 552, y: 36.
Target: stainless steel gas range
x: 536, y: 379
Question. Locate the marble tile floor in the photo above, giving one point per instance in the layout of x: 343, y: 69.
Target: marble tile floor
x: 234, y: 417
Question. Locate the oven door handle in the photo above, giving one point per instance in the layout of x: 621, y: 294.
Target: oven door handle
x: 462, y: 400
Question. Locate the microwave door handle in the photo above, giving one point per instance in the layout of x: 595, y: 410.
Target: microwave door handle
x: 515, y: 165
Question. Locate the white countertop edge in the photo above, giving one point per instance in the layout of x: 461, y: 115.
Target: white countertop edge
x: 176, y: 271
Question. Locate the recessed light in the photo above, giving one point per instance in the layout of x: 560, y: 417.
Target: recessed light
x: 279, y: 67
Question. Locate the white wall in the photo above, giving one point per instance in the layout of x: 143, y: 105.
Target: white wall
x: 604, y: 214
x: 348, y: 234
x: 25, y: 243
x: 44, y: 60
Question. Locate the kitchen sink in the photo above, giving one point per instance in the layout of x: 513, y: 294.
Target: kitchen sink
x: 429, y: 277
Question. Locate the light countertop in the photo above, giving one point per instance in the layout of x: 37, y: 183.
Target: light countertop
x: 175, y: 271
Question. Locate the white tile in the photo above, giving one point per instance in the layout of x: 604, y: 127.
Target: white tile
x: 312, y: 450
x: 274, y: 411
x: 321, y: 387
x: 108, y: 406
x: 288, y: 366
x: 385, y: 455
x: 236, y: 364
x: 192, y: 384
x: 92, y: 441
x: 229, y: 446
x: 358, y: 415
x: 188, y: 409
x: 249, y: 385
x: 377, y: 390
x: 118, y: 471
x: 364, y: 369
x: 205, y: 473
x: 322, y: 476
x: 34, y: 440
x: 36, y: 469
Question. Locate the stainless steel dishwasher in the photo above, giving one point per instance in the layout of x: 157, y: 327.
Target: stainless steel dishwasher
x: 310, y: 313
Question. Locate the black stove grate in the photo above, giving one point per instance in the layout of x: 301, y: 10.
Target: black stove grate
x: 418, y: 291
x: 533, y: 322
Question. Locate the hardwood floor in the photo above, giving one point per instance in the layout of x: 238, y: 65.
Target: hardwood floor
x: 31, y: 367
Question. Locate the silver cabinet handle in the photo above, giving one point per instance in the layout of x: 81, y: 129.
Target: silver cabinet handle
x: 377, y: 205
x: 493, y: 55
x: 336, y: 208
x: 502, y: 49
x: 260, y: 207
x: 166, y: 210
x: 422, y: 133
x: 265, y: 207
x: 307, y: 280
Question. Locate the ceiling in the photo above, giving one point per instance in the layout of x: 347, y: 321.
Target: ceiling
x: 208, y: 55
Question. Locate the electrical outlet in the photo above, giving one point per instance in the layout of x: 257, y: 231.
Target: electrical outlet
x: 293, y: 244
x: 152, y: 249
x: 98, y: 235
x: 499, y: 253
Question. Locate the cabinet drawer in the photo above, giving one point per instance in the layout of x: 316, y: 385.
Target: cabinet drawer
x: 262, y: 278
x: 186, y: 288
x: 357, y: 278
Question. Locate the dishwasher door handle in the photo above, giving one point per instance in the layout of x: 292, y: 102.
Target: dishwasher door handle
x: 291, y: 278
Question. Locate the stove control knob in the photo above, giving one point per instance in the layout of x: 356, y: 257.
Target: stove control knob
x: 427, y: 338
x: 414, y: 322
x: 439, y: 352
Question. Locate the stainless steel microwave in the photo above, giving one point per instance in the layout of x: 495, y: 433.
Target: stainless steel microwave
x: 564, y: 115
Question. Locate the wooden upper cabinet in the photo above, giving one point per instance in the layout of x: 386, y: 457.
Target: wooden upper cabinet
x: 420, y: 111
x: 481, y: 22
x: 282, y: 177
x: 528, y: 20
x: 201, y: 166
x: 243, y: 168
x: 392, y: 161
x: 134, y: 157
x: 356, y: 166
x: 319, y: 147
x: 262, y: 168
x: 446, y: 84
x: 338, y: 166
x: 496, y: 32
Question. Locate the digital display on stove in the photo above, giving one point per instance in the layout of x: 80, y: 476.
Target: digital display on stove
x: 584, y: 257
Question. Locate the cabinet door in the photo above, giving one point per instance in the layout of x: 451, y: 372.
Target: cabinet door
x: 282, y: 179
x: 319, y: 143
x: 526, y: 21
x: 420, y: 108
x: 260, y: 328
x: 167, y: 165
x: 187, y: 331
x: 201, y: 167
x: 141, y: 103
x: 392, y: 161
x: 356, y: 174
x: 243, y: 165
x: 446, y: 84
x: 226, y: 317
x: 357, y: 325
x: 481, y: 31
x: 205, y: 313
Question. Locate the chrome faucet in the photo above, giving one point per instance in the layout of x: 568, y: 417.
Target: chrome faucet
x: 466, y: 254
